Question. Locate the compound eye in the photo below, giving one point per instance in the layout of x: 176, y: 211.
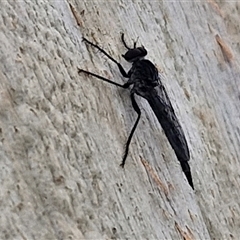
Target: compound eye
x: 135, y: 54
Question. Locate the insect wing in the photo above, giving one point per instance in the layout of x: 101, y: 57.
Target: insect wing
x: 162, y: 107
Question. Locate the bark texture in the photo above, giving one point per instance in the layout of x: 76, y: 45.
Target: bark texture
x: 63, y: 134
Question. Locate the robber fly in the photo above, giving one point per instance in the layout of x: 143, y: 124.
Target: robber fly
x: 145, y: 81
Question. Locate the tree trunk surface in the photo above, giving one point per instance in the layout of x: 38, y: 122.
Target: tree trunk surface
x: 63, y: 133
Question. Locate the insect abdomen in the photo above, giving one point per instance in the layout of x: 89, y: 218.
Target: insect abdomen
x: 174, y: 133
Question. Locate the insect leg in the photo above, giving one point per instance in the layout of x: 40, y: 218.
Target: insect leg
x: 121, y: 69
x: 125, y: 85
x: 137, y: 109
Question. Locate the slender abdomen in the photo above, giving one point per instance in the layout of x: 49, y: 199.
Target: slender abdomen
x: 171, y: 127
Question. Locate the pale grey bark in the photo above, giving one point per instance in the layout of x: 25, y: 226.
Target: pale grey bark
x: 63, y: 134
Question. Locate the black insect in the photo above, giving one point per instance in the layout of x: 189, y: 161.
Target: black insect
x: 146, y: 82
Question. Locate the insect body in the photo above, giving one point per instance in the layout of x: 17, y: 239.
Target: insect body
x: 145, y: 81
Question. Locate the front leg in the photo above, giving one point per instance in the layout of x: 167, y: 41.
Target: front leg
x: 125, y: 85
x: 121, y: 69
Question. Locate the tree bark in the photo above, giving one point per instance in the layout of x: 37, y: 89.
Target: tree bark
x: 63, y: 133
